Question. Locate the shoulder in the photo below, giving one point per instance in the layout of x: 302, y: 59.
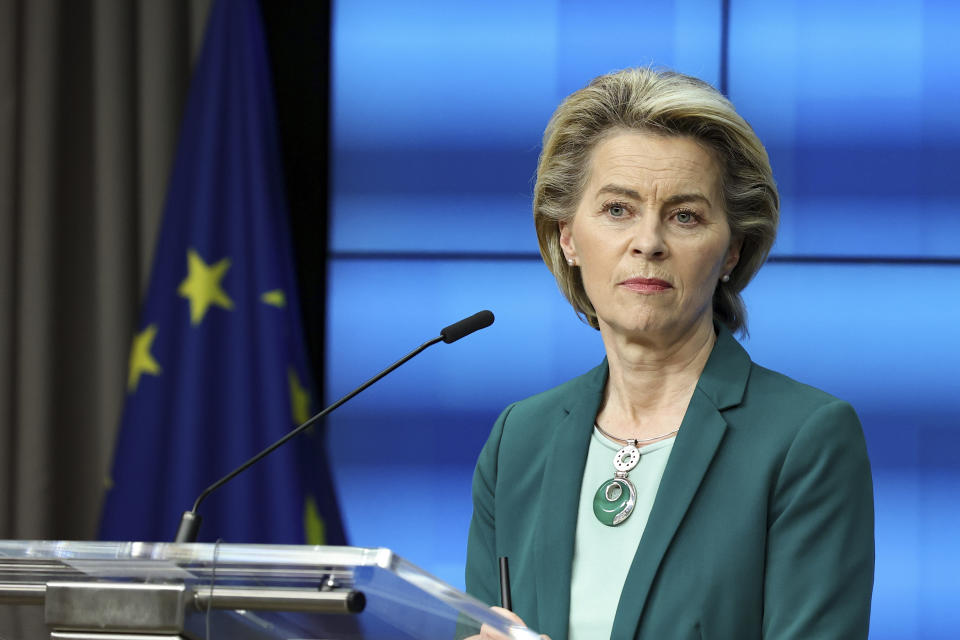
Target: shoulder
x: 525, y: 426
x: 774, y: 387
x: 767, y: 411
x: 802, y: 430
x: 557, y: 402
x: 764, y: 401
x: 776, y: 399
x: 820, y: 421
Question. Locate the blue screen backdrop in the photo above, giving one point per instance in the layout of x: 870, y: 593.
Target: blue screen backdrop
x: 438, y: 110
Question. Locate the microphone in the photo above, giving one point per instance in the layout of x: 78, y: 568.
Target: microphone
x: 190, y: 521
x: 479, y: 320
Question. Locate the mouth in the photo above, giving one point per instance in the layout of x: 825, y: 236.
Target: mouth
x: 646, y: 285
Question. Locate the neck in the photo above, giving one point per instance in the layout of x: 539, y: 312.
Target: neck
x: 651, y: 380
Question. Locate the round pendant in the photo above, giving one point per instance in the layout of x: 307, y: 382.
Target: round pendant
x: 614, y: 501
x: 627, y: 458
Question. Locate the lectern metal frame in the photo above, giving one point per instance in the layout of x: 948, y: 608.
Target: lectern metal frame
x: 149, y: 591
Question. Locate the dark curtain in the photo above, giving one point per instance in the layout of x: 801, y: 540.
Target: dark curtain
x: 91, y: 94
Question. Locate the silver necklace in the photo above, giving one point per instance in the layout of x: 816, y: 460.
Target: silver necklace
x: 615, y: 499
x: 636, y: 442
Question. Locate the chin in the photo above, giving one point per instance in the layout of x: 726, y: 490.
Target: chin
x: 653, y: 322
x: 638, y: 326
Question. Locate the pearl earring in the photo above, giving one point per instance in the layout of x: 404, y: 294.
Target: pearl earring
x: 725, y: 278
x: 570, y: 261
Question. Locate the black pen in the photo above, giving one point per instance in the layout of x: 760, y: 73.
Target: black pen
x: 505, y: 600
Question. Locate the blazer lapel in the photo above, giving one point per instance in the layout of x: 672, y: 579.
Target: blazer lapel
x: 721, y: 385
x: 560, y: 498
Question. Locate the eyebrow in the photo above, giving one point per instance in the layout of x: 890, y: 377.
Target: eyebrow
x: 679, y: 198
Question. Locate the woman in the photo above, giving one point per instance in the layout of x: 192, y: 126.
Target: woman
x: 678, y: 490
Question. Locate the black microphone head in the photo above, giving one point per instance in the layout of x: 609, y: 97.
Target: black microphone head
x: 465, y: 327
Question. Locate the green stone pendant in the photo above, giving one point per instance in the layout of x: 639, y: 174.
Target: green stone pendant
x: 614, y: 501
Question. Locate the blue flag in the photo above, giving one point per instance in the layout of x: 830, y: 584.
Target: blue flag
x: 218, y: 367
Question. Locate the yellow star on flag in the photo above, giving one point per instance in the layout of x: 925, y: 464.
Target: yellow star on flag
x: 299, y: 398
x: 275, y: 298
x: 140, y: 359
x: 314, y: 529
x: 202, y: 286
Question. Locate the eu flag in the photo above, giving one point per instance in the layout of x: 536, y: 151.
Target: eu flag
x: 218, y: 367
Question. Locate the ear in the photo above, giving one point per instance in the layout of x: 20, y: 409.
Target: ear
x: 567, y: 244
x: 733, y: 254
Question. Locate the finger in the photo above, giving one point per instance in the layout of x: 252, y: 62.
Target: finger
x: 508, y: 614
x: 489, y: 633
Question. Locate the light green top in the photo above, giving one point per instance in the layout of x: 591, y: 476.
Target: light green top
x: 602, y: 554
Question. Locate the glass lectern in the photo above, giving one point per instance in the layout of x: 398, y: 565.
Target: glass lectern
x: 138, y: 590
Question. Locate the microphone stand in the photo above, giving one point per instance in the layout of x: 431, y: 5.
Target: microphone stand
x: 190, y: 521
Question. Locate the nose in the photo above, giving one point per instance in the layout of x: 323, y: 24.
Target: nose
x: 648, y: 238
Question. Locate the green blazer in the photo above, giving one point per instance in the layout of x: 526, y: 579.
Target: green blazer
x: 762, y: 526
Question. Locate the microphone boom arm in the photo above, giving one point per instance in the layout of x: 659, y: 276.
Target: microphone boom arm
x: 190, y: 521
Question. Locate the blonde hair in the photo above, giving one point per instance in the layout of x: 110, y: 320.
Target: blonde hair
x: 670, y: 104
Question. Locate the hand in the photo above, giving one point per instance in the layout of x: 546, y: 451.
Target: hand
x: 487, y: 633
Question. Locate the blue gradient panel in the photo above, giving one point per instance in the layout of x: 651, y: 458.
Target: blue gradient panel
x: 438, y: 108
x: 857, y: 104
x: 438, y: 112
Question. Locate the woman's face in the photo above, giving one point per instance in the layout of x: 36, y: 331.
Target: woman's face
x: 650, y: 235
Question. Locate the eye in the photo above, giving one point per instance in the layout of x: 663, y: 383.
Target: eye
x: 685, y: 216
x: 616, y: 209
